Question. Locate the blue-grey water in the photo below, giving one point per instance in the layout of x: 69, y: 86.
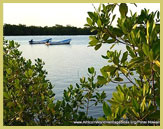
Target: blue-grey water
x: 66, y: 64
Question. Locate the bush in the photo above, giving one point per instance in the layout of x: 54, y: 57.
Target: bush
x: 28, y: 97
x: 139, y: 64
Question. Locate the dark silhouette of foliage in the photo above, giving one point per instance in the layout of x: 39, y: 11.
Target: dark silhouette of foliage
x: 38, y: 30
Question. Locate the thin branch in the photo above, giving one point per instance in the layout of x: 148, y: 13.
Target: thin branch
x: 153, y: 87
x: 119, y: 82
x: 87, y: 107
x: 129, y: 79
x: 92, y: 105
x: 126, y: 43
x: 147, y: 114
x: 107, y: 31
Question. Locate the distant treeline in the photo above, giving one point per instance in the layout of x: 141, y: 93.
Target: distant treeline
x: 38, y: 30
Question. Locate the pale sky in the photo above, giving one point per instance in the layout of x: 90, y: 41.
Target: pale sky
x: 49, y: 14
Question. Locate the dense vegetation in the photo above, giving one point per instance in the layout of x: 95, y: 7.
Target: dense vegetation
x: 138, y: 98
x: 38, y: 30
x: 28, y: 96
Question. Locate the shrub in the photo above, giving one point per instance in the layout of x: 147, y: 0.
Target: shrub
x: 28, y: 97
x: 137, y: 69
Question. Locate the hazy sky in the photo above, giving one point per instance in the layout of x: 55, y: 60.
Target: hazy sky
x: 49, y: 14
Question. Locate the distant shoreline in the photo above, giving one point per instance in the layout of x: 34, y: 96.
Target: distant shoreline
x: 23, y: 30
x: 50, y: 35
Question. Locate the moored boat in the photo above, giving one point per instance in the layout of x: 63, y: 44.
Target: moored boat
x: 41, y: 41
x: 62, y: 42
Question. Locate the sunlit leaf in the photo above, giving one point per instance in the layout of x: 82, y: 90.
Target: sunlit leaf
x: 123, y: 8
x: 89, y: 21
x: 106, y: 109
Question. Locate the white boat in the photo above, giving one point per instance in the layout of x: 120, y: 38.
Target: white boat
x: 40, y: 42
x: 67, y: 41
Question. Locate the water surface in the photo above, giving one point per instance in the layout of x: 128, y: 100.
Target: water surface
x: 66, y: 64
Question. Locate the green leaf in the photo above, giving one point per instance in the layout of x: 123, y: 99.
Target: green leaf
x: 158, y: 14
x: 132, y: 54
x: 123, y: 70
x: 99, y: 22
x: 105, y: 36
x: 30, y: 72
x: 113, y: 18
x: 109, y: 68
x: 113, y: 102
x: 134, y: 27
x: 116, y: 60
x: 124, y: 57
x: 123, y: 8
x: 99, y: 8
x: 82, y: 80
x: 118, y: 32
x: 91, y: 15
x: 107, y: 109
x: 116, y: 97
x: 101, y: 119
x: 92, y: 37
x: 9, y: 71
x: 135, y: 61
x: 30, y: 88
x: 5, y: 94
x: 110, y: 41
x: 91, y: 70
x: 124, y: 28
x: 17, y: 83
x: 101, y: 80
x: 105, y: 57
x: 133, y: 37
x: 135, y: 104
x: 146, y: 49
x: 143, y: 104
x: 26, y: 73
x: 11, y: 43
x: 135, y: 4
x: 157, y: 63
x: 104, y: 8
x: 147, y: 32
x: 93, y: 42
x: 145, y: 89
x: 104, y: 73
x: 121, y: 95
x: 119, y: 79
x: 10, y: 104
x: 89, y: 21
x: 98, y: 46
x: 151, y: 55
x: 112, y: 45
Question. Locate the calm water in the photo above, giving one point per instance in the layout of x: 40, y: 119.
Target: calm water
x: 66, y: 64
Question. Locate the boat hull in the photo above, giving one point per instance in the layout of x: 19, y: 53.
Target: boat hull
x: 40, y: 42
x: 35, y: 42
x: 63, y: 42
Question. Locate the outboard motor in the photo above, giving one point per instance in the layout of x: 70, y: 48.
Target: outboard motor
x: 31, y: 41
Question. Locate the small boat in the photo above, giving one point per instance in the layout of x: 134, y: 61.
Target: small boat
x: 67, y: 41
x: 40, y: 42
